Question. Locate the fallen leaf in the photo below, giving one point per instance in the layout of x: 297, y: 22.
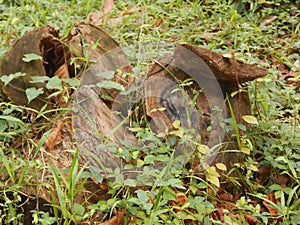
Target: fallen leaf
x: 103, y: 186
x: 263, y: 173
x: 108, y: 6
x: 251, y: 219
x: 268, y: 21
x: 296, y: 66
x: 282, y: 180
x: 127, y: 11
x: 271, y: 197
x: 116, y: 220
x: 55, y: 136
x: 226, y: 197
x: 158, y: 22
x: 62, y: 72
x: 96, y: 18
x: 181, y: 199
x: 219, y: 214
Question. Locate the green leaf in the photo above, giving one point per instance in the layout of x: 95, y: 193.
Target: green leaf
x: 252, y: 167
x: 32, y: 93
x: 106, y: 75
x: 221, y: 166
x: 106, y: 84
x: 176, y: 183
x: 11, y: 119
x: 176, y: 124
x: 98, y: 178
x: 135, y: 129
x: 54, y: 83
x: 245, y: 150
x: 130, y: 182
x: 31, y: 56
x: 212, y: 171
x: 169, y: 194
x: 142, y: 196
x: 134, y: 200
x: 39, y: 79
x: 149, y: 159
x: 213, y: 179
x: 147, y: 206
x: 212, y: 175
x: 72, y: 82
x: 8, y: 78
x: 78, y: 209
x: 250, y: 119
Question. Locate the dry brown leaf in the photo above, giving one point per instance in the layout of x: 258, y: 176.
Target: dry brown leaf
x: 96, y: 18
x: 108, y: 6
x: 290, y: 78
x: 219, y: 214
x: 100, y: 17
x: 55, y: 137
x: 282, y: 180
x: 228, y: 201
x: 103, y: 186
x: 126, y: 12
x: 116, y: 220
x: 263, y: 173
x: 68, y: 125
x: 181, y: 199
x: 62, y: 72
x: 268, y: 21
x: 296, y: 65
x: 158, y: 22
x: 271, y: 197
x: 252, y: 220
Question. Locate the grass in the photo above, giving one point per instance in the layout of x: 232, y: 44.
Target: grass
x: 186, y: 196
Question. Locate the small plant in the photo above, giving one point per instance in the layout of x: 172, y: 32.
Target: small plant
x: 67, y: 187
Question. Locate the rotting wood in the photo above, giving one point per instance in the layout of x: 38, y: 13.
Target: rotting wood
x: 40, y: 41
x: 215, y: 78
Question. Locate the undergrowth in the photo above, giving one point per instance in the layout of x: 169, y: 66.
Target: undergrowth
x: 267, y: 186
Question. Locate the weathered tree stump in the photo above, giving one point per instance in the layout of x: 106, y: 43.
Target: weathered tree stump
x: 42, y: 41
x: 215, y: 77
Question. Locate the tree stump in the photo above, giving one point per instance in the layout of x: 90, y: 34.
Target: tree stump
x: 215, y: 78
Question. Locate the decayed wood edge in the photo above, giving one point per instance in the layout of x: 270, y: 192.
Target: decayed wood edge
x: 223, y: 68
x: 229, y: 74
x: 93, y: 120
x: 94, y: 123
x: 12, y: 63
x: 91, y: 109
